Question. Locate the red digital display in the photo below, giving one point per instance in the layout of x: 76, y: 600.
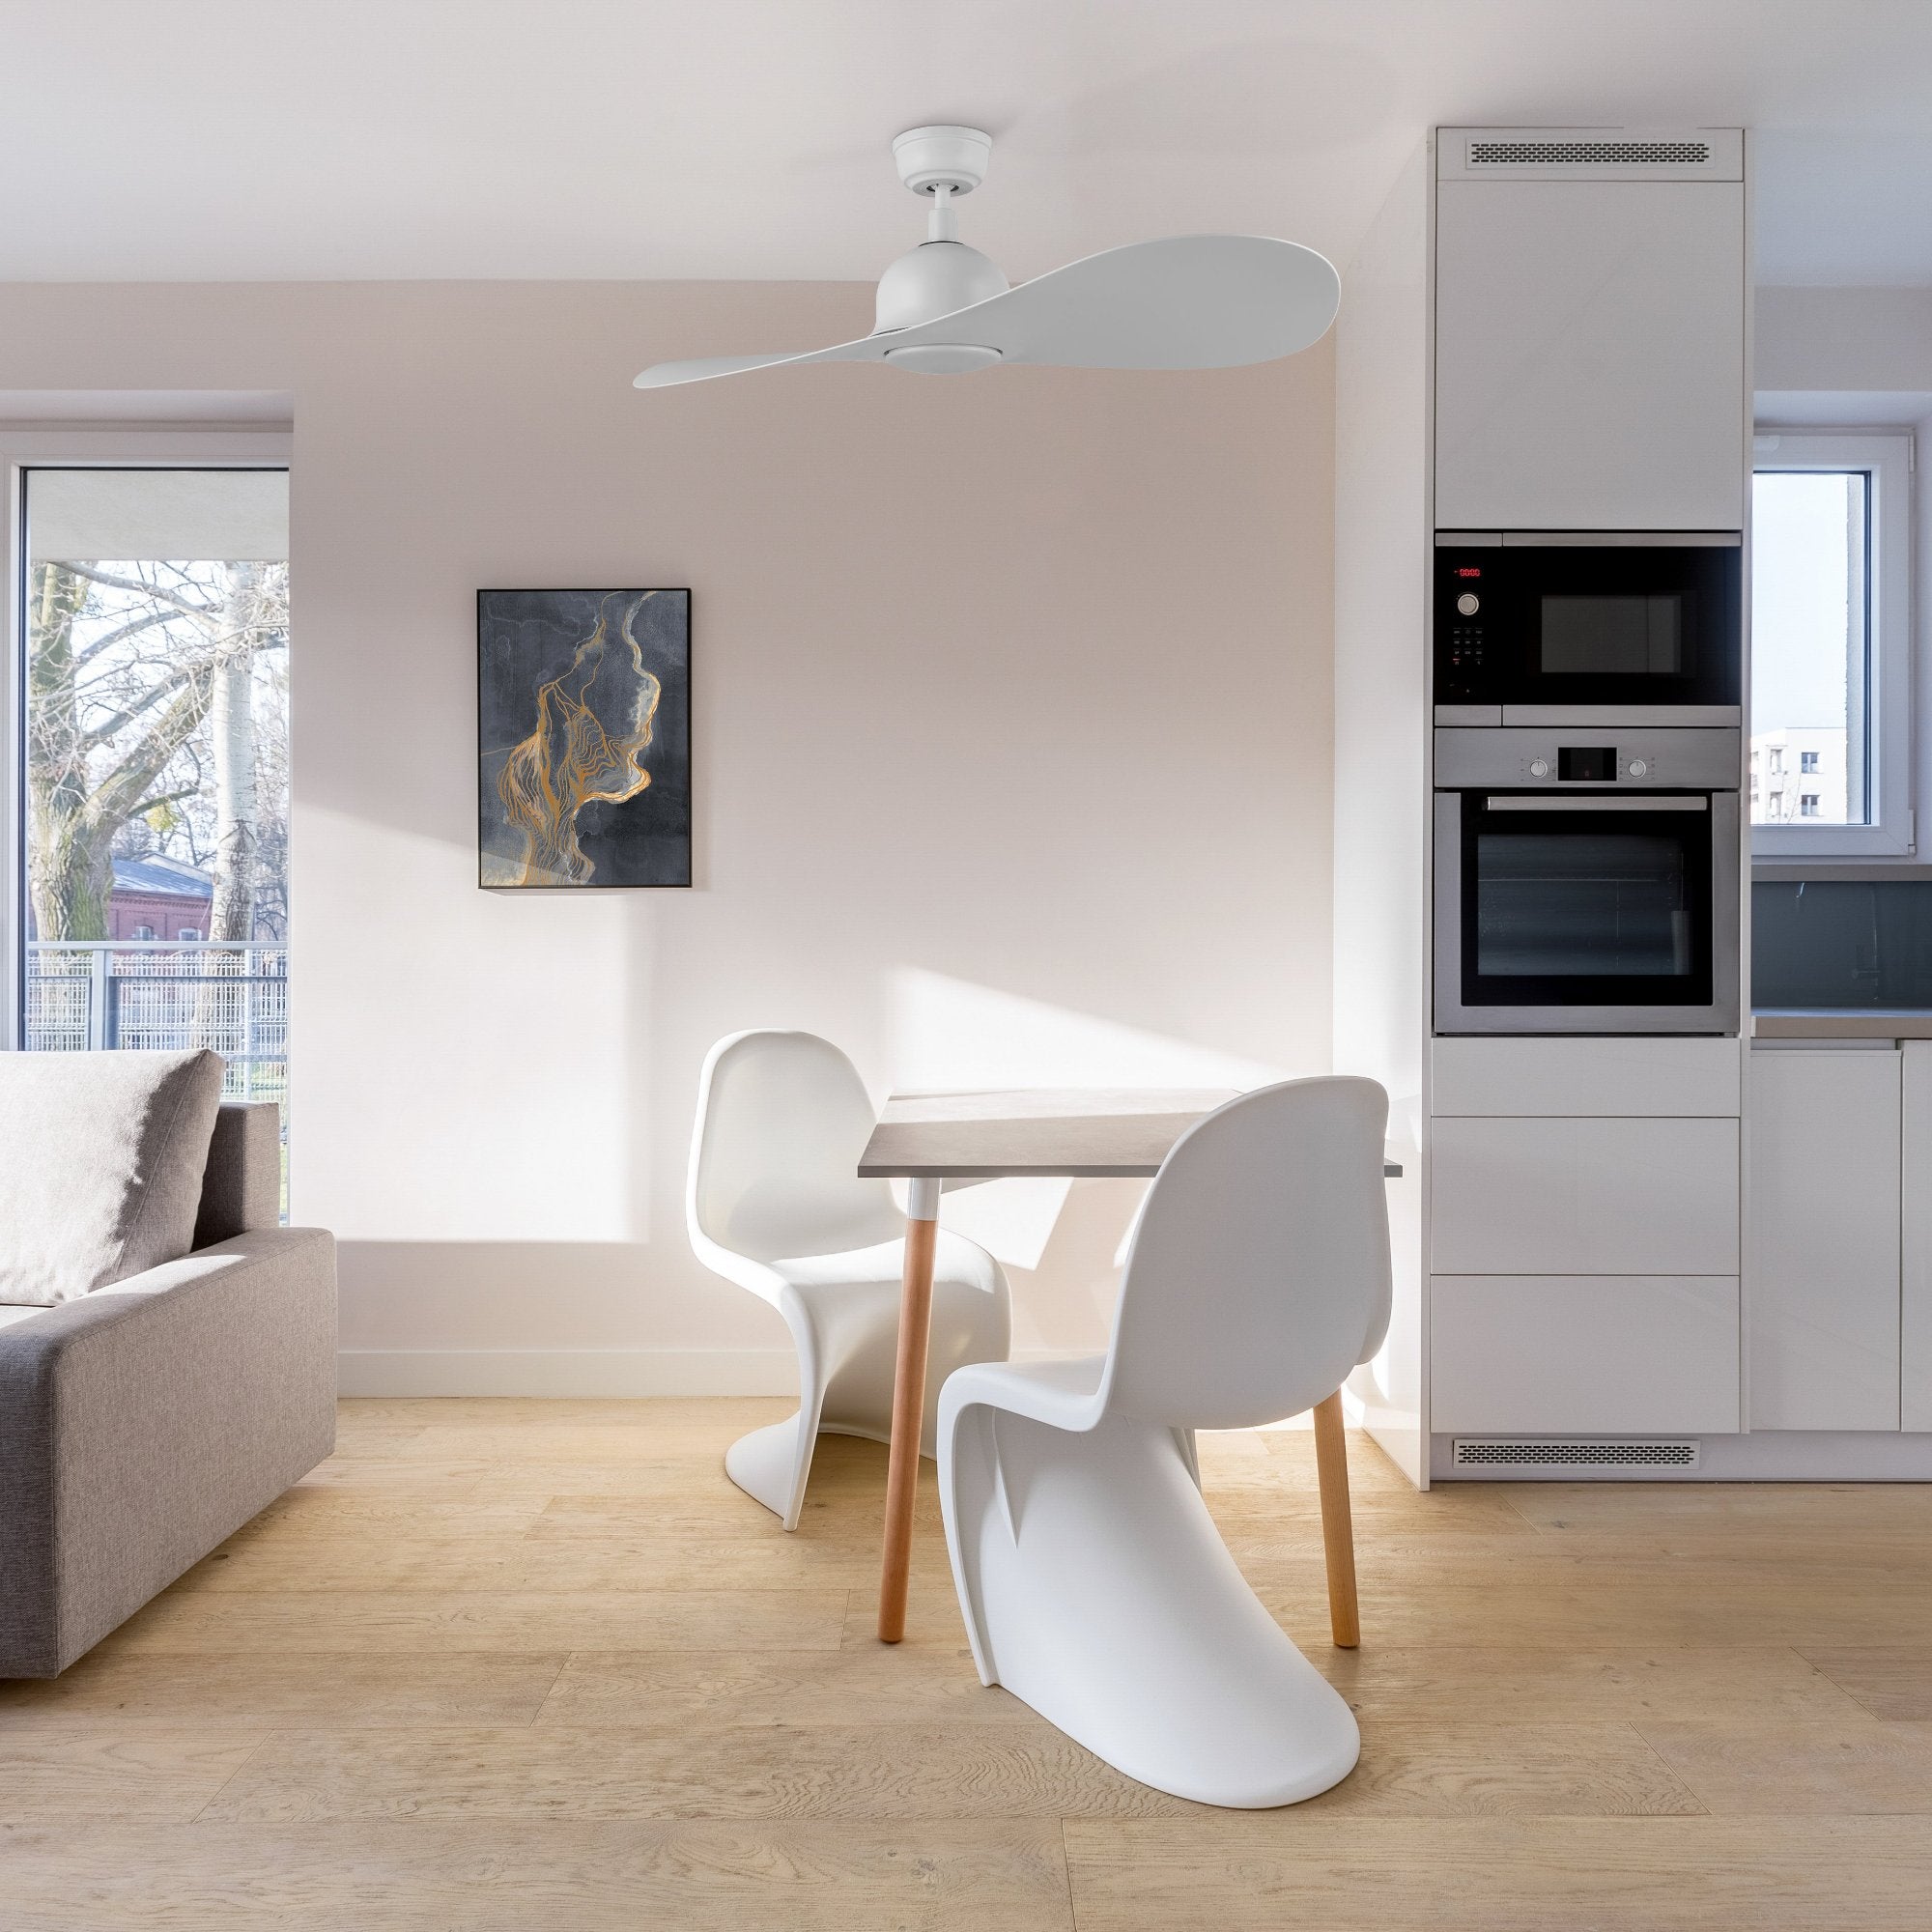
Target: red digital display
x: 1468, y: 569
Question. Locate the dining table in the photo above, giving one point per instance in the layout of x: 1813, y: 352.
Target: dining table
x: 931, y: 1140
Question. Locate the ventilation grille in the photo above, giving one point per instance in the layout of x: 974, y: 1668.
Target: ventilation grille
x: 1530, y: 1455
x: 1588, y: 154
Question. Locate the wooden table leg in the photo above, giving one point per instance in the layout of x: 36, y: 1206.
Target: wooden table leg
x: 908, y: 1404
x: 1338, y: 1530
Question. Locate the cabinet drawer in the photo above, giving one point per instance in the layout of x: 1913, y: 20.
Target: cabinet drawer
x: 1584, y: 1197
x: 1585, y: 1077
x: 1575, y: 1355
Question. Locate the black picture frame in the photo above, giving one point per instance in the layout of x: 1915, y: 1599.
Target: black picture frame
x: 583, y: 739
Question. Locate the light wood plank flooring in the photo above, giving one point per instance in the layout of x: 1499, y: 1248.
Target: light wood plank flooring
x: 525, y: 1664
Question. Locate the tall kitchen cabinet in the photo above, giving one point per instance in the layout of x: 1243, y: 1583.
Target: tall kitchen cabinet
x: 1544, y: 329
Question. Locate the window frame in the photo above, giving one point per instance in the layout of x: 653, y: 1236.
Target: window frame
x: 1886, y: 459
x: 25, y: 446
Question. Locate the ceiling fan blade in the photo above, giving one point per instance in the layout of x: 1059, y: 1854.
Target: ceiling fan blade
x: 1192, y: 301
x: 666, y: 375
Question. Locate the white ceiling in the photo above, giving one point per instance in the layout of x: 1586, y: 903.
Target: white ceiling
x: 249, y: 139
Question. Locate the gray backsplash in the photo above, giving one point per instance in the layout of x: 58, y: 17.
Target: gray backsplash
x: 1841, y: 943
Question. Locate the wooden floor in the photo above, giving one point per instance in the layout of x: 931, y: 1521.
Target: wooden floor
x: 524, y: 1664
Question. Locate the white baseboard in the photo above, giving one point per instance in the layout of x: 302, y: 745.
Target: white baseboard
x: 567, y: 1371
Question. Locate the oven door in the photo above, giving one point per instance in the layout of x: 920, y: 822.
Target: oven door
x: 1593, y: 911
x: 1566, y: 623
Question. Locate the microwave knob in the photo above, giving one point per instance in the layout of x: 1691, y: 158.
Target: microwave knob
x: 1638, y: 767
x: 1539, y: 768
x: 1468, y: 604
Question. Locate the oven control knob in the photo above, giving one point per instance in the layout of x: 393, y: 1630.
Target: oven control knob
x: 1539, y: 768
x: 1638, y: 767
x: 1468, y: 604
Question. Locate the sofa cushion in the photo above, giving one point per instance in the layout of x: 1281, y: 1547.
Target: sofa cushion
x: 100, y: 1163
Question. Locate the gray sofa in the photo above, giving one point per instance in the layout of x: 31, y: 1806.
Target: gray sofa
x: 143, y: 1423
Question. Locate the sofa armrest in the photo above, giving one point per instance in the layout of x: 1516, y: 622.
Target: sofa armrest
x: 241, y: 1184
x: 144, y: 1423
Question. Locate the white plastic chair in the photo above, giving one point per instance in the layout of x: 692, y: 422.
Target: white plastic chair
x: 1093, y: 1584
x: 775, y: 1203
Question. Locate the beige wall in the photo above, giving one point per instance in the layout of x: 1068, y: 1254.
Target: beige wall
x: 1013, y: 764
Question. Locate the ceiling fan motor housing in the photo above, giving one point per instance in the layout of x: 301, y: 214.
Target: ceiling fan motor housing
x: 931, y: 280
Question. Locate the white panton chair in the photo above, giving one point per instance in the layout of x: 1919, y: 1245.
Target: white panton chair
x: 1093, y: 1584
x: 775, y: 1203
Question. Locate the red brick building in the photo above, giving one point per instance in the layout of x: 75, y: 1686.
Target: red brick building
x: 159, y: 898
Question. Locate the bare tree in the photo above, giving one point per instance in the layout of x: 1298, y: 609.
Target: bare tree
x: 124, y: 663
x: 237, y: 830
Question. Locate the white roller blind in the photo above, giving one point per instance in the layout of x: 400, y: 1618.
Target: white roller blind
x: 233, y: 515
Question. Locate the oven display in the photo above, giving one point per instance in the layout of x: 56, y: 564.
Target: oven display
x: 1588, y: 764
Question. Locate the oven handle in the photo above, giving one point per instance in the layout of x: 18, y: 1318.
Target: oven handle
x: 1604, y: 803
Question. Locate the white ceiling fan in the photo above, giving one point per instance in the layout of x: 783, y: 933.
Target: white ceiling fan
x: 1193, y: 301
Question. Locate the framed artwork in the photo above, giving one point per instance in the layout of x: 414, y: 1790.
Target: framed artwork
x: 584, y: 738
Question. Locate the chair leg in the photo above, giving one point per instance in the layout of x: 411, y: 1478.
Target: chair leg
x: 1338, y: 1528
x: 1097, y: 1590
x: 771, y: 1464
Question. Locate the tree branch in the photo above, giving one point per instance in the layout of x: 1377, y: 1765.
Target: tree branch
x: 82, y: 659
x: 202, y: 614
x: 111, y: 728
x: 115, y: 798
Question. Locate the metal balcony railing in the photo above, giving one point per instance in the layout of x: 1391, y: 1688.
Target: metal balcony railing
x: 165, y: 995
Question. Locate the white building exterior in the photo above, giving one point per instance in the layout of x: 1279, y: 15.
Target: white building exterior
x: 1797, y: 776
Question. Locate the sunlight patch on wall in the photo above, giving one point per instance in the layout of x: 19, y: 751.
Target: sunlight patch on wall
x: 945, y: 1035
x: 478, y: 1075
x: 952, y: 1035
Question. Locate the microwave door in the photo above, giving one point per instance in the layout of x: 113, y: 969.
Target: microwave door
x: 1589, y: 625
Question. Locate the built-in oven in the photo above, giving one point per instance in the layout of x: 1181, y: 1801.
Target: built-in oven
x: 1587, y: 882
x: 1532, y: 627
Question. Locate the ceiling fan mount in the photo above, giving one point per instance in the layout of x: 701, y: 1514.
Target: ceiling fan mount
x: 1193, y: 301
x: 932, y: 159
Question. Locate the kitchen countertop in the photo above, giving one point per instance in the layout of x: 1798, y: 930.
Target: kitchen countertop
x: 1840, y: 1023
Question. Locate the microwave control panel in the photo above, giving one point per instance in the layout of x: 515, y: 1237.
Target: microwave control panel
x: 1461, y: 648
x: 1592, y: 758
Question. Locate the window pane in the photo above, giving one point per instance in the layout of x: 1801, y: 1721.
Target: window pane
x: 156, y: 765
x: 1810, y: 703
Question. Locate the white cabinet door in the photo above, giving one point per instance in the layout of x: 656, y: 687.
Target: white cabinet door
x: 1589, y: 355
x: 1822, y: 1286
x: 1578, y: 1355
x: 1916, y: 1170
x: 1584, y: 1197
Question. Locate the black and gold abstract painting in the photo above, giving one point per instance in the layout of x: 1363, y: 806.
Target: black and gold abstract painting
x: 583, y: 720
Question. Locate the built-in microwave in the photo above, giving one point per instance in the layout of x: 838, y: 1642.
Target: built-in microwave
x: 1533, y: 626
x: 1587, y: 883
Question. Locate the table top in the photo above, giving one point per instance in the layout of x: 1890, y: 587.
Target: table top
x: 1078, y: 1133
